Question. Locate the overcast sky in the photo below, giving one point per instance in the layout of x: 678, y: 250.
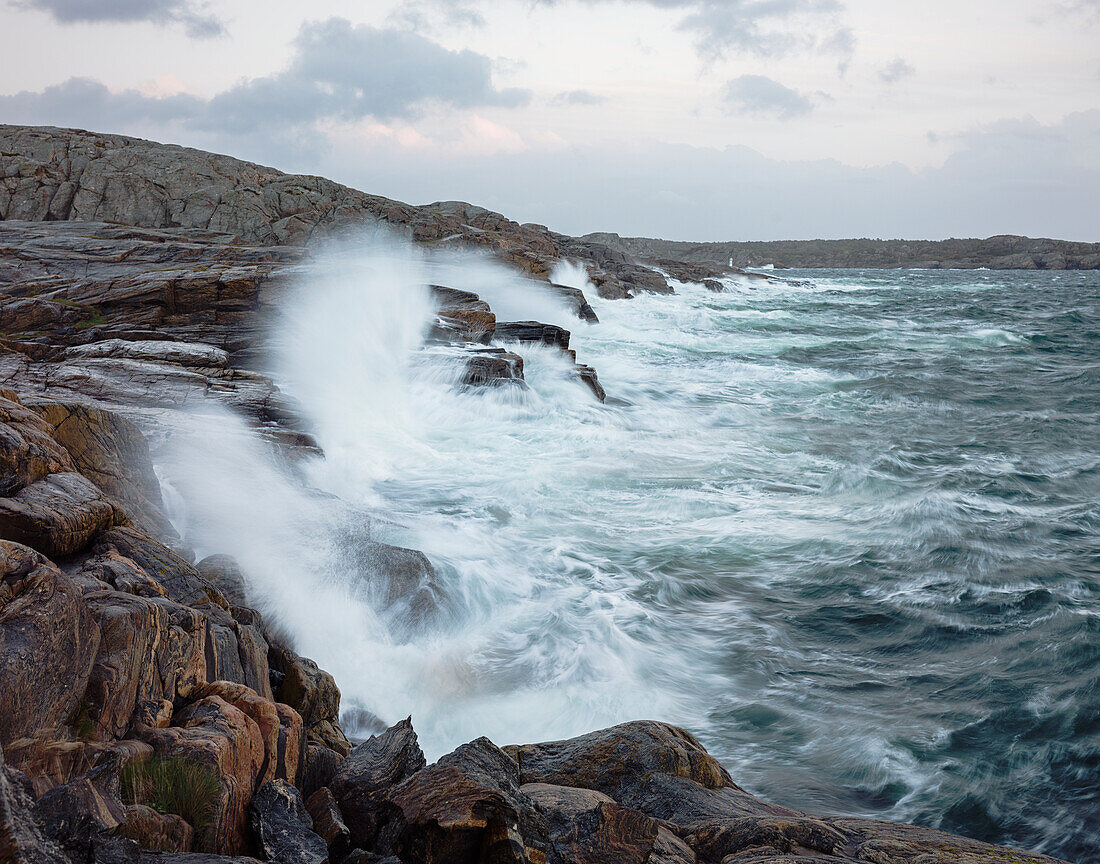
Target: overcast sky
x: 686, y: 119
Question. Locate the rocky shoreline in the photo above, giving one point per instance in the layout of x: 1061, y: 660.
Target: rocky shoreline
x: 151, y: 713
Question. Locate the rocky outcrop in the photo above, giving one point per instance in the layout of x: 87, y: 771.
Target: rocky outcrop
x: 129, y: 659
x: 49, y: 174
x: 642, y: 792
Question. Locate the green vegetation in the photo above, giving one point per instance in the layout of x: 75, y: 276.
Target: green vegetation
x: 173, y: 785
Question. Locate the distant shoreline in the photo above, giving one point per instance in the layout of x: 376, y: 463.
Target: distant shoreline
x: 1003, y: 252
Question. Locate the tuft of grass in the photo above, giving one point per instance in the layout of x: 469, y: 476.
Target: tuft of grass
x: 173, y: 785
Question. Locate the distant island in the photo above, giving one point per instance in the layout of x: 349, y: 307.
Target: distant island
x: 1003, y: 252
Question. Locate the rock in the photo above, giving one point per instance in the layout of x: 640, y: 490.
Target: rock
x: 58, y: 515
x: 151, y: 650
x: 329, y: 823
x: 585, y: 827
x: 588, y: 375
x: 533, y: 331
x: 462, y: 316
x: 493, y: 367
x: 465, y: 807
x: 28, y: 450
x: 311, y: 692
x: 164, y: 832
x: 225, y: 574
x: 111, y: 452
x: 181, y: 581
x: 363, y: 783
x: 578, y: 302
x: 21, y: 838
x: 240, y: 649
x: 291, y: 757
x: 321, y: 765
x: 715, y: 840
x: 75, y: 813
x: 283, y: 827
x: 191, y: 858
x: 617, y: 761
x: 222, y: 738
x: 400, y: 581
x: 48, y: 644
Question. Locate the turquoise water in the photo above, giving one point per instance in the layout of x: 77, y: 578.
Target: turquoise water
x: 849, y: 534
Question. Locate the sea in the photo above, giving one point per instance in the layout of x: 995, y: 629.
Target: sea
x: 842, y: 525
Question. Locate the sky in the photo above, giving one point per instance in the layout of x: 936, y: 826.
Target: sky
x: 683, y: 119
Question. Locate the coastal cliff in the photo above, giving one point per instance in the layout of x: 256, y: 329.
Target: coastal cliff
x: 151, y: 712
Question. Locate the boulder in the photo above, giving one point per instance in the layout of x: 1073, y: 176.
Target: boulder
x: 48, y: 644
x: 533, y: 331
x: 619, y: 760
x: 311, y: 692
x: 328, y: 822
x: 461, y: 316
x: 164, y: 832
x: 111, y: 452
x: 321, y: 765
x: 493, y: 367
x: 467, y: 807
x: 577, y: 301
x: 21, y: 838
x: 181, y: 581
x: 225, y: 574
x: 28, y: 450
x: 364, y: 781
x: 58, y: 515
x: 283, y: 827
x: 587, y: 827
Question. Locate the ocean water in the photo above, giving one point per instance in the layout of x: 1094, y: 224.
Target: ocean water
x: 846, y: 532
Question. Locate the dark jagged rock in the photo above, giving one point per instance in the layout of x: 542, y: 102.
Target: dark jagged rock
x: 321, y: 765
x: 462, y: 317
x: 283, y: 827
x: 588, y: 375
x: 465, y: 807
x: 364, y: 782
x: 577, y: 301
x: 493, y: 367
x: 533, y: 331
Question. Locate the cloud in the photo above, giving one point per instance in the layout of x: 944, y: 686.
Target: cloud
x: 1015, y: 177
x: 896, y: 70
x: 428, y: 15
x: 338, y: 72
x: 198, y: 24
x: 763, y: 27
x: 761, y: 96
x: 578, y: 97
